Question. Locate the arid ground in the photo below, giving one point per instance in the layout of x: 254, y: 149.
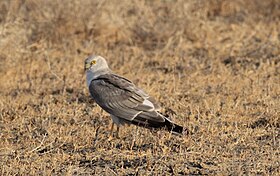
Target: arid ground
x: 213, y: 66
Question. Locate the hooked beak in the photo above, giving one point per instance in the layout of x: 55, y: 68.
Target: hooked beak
x: 87, y: 66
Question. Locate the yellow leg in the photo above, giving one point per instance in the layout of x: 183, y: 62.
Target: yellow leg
x: 111, y: 132
x: 134, y: 136
x: 118, y: 129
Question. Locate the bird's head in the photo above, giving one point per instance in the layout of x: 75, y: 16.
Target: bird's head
x: 95, y: 64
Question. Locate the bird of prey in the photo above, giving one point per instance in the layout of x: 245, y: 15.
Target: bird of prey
x: 126, y: 103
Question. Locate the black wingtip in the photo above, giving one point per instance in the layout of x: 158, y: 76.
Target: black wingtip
x: 172, y: 127
x: 167, y: 125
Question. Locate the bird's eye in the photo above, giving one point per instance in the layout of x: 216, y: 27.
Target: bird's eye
x: 93, y: 62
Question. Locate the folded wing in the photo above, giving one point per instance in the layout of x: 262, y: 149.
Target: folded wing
x: 121, y: 98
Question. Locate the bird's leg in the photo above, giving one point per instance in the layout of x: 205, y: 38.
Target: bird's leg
x: 118, y: 129
x: 134, y: 136
x: 111, y: 132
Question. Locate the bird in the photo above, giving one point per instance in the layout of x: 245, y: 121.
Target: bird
x: 124, y: 101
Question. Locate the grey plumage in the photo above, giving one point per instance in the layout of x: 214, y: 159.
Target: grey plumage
x: 125, y: 102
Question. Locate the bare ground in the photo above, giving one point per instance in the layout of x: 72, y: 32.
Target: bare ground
x: 214, y: 66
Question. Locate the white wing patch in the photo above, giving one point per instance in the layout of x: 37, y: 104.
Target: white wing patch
x: 148, y: 103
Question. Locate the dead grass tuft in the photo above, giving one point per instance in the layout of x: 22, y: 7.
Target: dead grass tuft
x: 213, y: 65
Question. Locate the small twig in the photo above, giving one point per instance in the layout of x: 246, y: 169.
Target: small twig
x: 39, y: 146
x: 112, y: 171
x: 96, y: 136
x: 52, y: 72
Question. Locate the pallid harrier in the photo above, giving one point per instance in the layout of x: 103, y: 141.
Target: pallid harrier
x: 126, y: 103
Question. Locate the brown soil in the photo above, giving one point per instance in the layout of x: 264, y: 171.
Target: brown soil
x: 214, y: 66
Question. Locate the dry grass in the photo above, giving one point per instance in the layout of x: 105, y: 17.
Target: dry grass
x: 213, y: 65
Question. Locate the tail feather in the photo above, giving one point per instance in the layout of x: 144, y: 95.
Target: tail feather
x: 174, y: 127
x: 167, y: 124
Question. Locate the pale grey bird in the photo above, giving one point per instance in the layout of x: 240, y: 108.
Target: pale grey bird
x: 125, y: 102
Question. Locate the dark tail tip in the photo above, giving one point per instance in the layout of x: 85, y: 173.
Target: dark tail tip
x: 172, y: 127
